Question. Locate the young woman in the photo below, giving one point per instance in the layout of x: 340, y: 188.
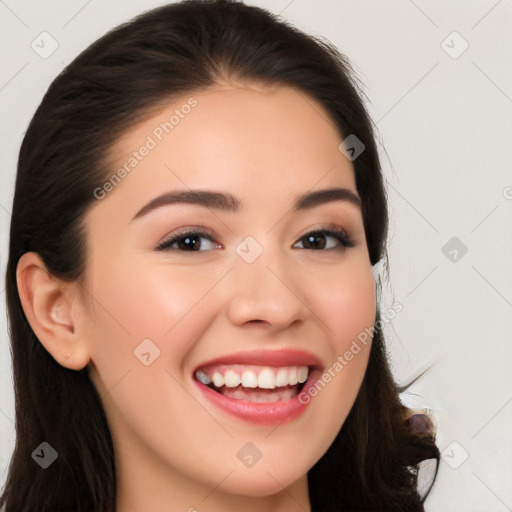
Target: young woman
x: 198, y: 209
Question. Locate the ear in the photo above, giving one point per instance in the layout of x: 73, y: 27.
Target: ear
x: 51, y: 307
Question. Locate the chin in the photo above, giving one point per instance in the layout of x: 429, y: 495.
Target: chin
x: 260, y: 484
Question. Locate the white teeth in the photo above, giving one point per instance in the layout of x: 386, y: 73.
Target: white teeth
x: 249, y: 379
x: 249, y: 376
x: 302, y: 374
x: 203, y: 377
x: 261, y: 396
x: 218, y: 379
x: 282, y: 378
x: 266, y: 379
x: 231, y: 379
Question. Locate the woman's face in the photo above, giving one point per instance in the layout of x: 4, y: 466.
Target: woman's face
x: 255, y: 297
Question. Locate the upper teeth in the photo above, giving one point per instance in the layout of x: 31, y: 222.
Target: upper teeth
x: 266, y: 377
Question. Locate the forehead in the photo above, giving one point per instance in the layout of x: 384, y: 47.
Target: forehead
x: 250, y: 139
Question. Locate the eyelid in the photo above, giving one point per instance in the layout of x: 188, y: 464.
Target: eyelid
x: 325, y: 227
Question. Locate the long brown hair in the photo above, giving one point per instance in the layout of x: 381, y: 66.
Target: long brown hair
x: 111, y: 86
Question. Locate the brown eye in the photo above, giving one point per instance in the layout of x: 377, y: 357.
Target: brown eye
x: 188, y: 241
x: 319, y: 239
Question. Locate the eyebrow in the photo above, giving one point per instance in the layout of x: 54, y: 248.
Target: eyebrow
x: 229, y: 203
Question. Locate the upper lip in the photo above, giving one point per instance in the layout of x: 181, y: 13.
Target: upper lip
x: 276, y: 357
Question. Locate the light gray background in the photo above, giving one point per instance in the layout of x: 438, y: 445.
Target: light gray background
x: 446, y: 124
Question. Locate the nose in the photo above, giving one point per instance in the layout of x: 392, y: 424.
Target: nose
x: 267, y: 291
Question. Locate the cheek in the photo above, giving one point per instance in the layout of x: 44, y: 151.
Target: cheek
x: 347, y: 307
x: 346, y: 304
x: 132, y: 306
x: 147, y: 321
x: 149, y: 402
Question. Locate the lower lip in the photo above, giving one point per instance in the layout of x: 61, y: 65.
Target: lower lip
x: 262, y: 413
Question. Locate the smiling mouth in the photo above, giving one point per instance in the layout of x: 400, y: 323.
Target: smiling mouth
x: 255, y: 383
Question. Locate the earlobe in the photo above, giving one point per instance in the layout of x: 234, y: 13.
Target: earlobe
x: 48, y: 306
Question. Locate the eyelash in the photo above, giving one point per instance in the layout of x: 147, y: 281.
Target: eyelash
x: 330, y: 231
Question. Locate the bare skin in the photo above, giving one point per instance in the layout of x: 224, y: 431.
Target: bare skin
x: 174, y: 449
